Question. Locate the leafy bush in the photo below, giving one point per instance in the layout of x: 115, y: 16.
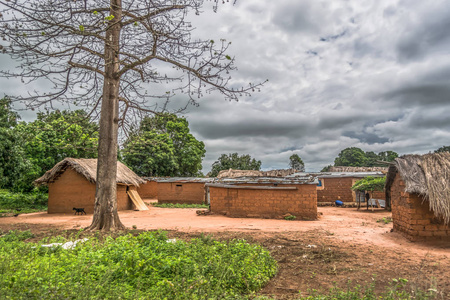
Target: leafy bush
x: 370, y: 184
x: 26, y: 202
x: 16, y: 235
x: 178, y: 205
x: 147, y: 266
x: 290, y: 218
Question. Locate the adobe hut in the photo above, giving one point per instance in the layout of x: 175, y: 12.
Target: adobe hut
x: 337, y: 186
x: 149, y: 190
x: 71, y: 183
x: 418, y: 187
x: 263, y: 198
x: 183, y: 190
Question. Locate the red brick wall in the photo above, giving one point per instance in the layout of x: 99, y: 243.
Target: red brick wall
x: 378, y: 195
x: 73, y: 190
x: 262, y: 203
x: 336, y: 189
x: 414, y: 218
x: 177, y: 192
x: 148, y: 190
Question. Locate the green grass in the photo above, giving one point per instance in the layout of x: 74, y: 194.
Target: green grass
x: 385, y: 220
x: 10, y: 202
x: 178, y: 205
x: 147, y: 266
x: 399, y: 289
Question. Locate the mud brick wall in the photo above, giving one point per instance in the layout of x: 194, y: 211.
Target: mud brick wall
x: 181, y: 192
x: 265, y: 203
x: 336, y: 189
x: 148, y: 190
x: 73, y: 190
x: 413, y: 218
x: 378, y: 195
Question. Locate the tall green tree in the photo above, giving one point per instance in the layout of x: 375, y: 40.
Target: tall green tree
x: 53, y: 137
x: 234, y: 161
x: 371, y: 159
x: 351, y: 157
x: 355, y: 157
x: 387, y: 155
x: 164, y: 146
x: 442, y: 149
x: 295, y: 162
x: 11, y: 154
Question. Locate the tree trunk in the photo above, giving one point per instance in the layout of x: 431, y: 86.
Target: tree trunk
x: 105, y: 209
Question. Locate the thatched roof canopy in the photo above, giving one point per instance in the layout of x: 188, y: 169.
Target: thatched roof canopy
x: 427, y: 175
x: 88, y: 169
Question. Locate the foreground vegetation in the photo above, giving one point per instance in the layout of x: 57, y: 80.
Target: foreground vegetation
x: 179, y: 205
x: 13, y: 203
x: 396, y: 291
x: 148, y: 266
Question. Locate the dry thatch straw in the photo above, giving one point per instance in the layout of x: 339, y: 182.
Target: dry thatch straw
x: 427, y: 175
x: 88, y: 169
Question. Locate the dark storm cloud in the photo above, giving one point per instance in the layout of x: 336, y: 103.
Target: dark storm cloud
x: 365, y: 137
x: 425, y: 33
x: 429, y: 95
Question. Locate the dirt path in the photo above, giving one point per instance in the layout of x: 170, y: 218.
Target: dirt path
x: 344, y: 244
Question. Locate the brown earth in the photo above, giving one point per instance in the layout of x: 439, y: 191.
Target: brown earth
x: 343, y: 245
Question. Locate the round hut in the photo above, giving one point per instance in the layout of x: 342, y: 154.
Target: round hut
x: 71, y: 183
x: 418, y: 187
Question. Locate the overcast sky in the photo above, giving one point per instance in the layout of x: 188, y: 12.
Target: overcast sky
x: 371, y: 74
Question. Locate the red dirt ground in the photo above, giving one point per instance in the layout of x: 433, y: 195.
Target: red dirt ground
x: 343, y: 245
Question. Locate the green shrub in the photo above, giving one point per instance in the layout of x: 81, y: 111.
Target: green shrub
x: 290, y: 217
x: 147, y: 266
x: 26, y: 202
x: 370, y: 184
x: 16, y: 235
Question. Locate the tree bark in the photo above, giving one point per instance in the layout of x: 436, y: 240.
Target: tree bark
x: 105, y: 209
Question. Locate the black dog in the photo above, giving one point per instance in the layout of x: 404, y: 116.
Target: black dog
x: 79, y: 211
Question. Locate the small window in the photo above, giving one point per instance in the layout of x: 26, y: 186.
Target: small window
x: 275, y: 184
x: 179, y: 185
x: 320, y: 183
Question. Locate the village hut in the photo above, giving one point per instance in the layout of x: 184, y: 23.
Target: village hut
x: 418, y: 187
x: 182, y: 190
x: 71, y: 183
x: 263, y: 197
x: 338, y: 186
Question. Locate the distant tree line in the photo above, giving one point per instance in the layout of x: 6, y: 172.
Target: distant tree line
x: 356, y: 157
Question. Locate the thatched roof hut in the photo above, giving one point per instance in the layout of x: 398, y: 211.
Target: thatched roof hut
x: 427, y: 175
x: 88, y: 169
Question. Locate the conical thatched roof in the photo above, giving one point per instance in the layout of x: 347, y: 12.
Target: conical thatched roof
x: 88, y: 169
x: 427, y: 175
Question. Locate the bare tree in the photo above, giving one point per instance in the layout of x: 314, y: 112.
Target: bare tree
x: 107, y: 55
